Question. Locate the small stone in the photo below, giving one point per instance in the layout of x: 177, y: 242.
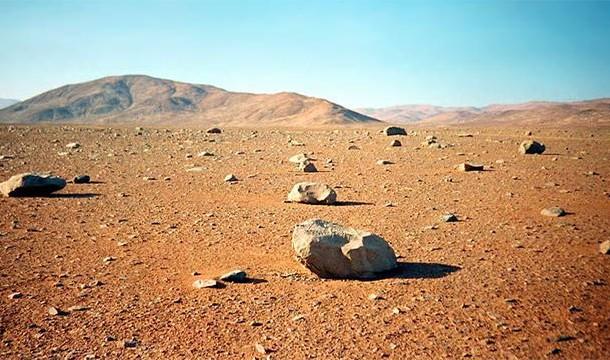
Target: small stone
x: 15, y: 295
x: 73, y: 145
x: 213, y: 130
x: 604, y: 247
x: 236, y: 276
x: 449, y: 218
x: 307, y: 167
x: 53, y: 311
x: 395, y: 143
x: 260, y: 348
x: 109, y: 259
x: 208, y: 283
x: 375, y: 297
x: 230, y: 178
x: 553, y: 212
x: 131, y: 343
x: 82, y: 179
x: 205, y: 153
x: 466, y: 167
x: 353, y: 147
x: 384, y: 162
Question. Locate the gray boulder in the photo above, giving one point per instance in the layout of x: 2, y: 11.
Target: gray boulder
x: 31, y: 184
x: 312, y: 193
x: 332, y: 251
x: 531, y: 147
x: 394, y: 130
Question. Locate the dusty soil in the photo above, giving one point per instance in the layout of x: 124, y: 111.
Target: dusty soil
x: 503, y: 282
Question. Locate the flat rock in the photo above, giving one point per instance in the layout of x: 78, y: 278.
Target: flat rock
x: 466, y: 167
x: 237, y: 276
x: 31, y: 184
x: 312, y: 193
x: 332, y: 251
x: 553, y: 211
x: 394, y: 130
x: 213, y: 130
x: 205, y: 283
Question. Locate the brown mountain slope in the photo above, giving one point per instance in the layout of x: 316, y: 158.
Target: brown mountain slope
x: 144, y: 100
x: 592, y: 113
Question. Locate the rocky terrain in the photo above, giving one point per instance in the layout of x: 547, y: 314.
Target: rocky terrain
x: 144, y: 100
x: 592, y: 113
x: 127, y: 265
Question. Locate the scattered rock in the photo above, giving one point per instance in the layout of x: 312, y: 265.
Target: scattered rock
x: 307, y: 167
x: 553, y: 211
x: 604, y: 247
x: 353, y: 147
x: 449, y: 218
x: 31, y: 184
x: 53, y: 311
x: 213, y: 130
x: 531, y: 147
x: 230, y: 178
x: 73, y: 145
x: 131, y: 343
x: 312, y: 193
x: 205, y: 153
x: 395, y: 143
x: 332, y: 251
x: 82, y: 179
x: 260, y: 349
x: 236, y: 276
x: 207, y: 283
x: 384, y: 162
x: 466, y: 167
x: 15, y: 295
x: 299, y: 158
x: 394, y: 130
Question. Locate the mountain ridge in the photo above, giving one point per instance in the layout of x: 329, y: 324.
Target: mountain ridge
x: 146, y: 100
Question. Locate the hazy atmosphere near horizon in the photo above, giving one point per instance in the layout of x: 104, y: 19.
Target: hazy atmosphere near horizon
x: 266, y: 179
x: 355, y: 53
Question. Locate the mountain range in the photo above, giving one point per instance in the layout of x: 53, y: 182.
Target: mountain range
x: 7, y: 102
x: 536, y: 113
x: 144, y: 100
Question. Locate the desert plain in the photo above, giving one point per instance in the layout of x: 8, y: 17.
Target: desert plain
x: 116, y: 258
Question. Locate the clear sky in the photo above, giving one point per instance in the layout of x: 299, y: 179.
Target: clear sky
x: 357, y: 53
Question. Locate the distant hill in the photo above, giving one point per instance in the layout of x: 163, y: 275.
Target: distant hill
x: 7, y: 102
x: 144, y: 100
x: 541, y: 113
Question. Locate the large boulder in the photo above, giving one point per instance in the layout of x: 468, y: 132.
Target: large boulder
x: 531, y: 147
x: 332, y: 251
x: 312, y: 193
x: 394, y: 130
x: 31, y: 184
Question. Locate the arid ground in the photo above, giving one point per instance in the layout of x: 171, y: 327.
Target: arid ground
x: 119, y: 255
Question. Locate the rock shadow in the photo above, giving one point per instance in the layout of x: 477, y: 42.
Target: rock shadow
x: 351, y: 203
x: 406, y: 270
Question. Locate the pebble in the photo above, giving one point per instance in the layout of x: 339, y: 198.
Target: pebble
x: 449, y: 218
x: 604, y: 247
x: 15, y: 295
x: 553, y: 212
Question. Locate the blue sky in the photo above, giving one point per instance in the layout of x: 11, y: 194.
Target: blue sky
x: 356, y: 53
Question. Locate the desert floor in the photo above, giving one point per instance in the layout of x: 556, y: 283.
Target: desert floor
x: 503, y: 282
